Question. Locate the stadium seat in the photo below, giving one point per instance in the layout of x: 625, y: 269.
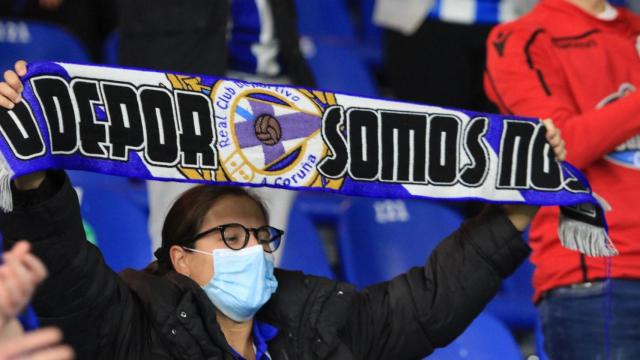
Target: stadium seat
x: 37, y: 41
x: 302, y: 247
x: 542, y: 354
x: 114, y: 212
x: 369, y: 35
x: 324, y: 18
x: 514, y: 302
x: 380, y: 239
x: 485, y: 339
x: 337, y: 67
x: 110, y: 49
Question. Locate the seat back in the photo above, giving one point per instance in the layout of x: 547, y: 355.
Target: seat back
x: 110, y: 48
x: 303, y: 247
x: 380, y: 238
x: 37, y: 41
x: 324, y: 18
x: 337, y: 67
x: 513, y: 304
x: 114, y: 212
x: 540, y: 351
x: 485, y: 339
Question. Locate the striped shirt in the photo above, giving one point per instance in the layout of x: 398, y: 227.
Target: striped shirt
x: 253, y: 46
x: 473, y: 11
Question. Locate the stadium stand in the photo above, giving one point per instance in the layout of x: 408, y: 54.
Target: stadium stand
x: 376, y: 238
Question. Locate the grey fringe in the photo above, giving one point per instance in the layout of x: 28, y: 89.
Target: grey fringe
x: 585, y: 238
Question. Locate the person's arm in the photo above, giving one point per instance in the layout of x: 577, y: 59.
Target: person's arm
x: 429, y: 306
x: 20, y: 273
x: 82, y: 295
x: 523, y: 77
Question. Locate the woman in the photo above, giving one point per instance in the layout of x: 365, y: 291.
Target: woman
x: 213, y: 293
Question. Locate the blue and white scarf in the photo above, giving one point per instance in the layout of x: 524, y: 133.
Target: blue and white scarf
x: 175, y: 127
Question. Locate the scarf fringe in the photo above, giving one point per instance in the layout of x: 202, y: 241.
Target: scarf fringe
x: 6, y: 200
x: 585, y: 238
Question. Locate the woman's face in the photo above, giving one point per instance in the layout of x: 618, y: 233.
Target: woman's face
x: 229, y: 209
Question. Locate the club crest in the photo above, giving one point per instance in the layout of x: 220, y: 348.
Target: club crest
x: 267, y: 134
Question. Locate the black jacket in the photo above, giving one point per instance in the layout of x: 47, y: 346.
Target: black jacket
x: 140, y: 315
x: 191, y: 36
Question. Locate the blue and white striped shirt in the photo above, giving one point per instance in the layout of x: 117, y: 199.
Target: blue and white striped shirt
x: 253, y: 46
x: 473, y: 11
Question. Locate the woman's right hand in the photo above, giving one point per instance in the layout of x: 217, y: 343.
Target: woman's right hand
x: 11, y: 87
x: 10, y: 94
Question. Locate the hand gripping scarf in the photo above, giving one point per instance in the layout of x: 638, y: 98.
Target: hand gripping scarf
x: 164, y: 126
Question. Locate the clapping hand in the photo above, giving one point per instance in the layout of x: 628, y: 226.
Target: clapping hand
x: 42, y: 344
x: 20, y: 273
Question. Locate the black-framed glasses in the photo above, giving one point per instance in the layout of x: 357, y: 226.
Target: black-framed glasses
x: 236, y: 236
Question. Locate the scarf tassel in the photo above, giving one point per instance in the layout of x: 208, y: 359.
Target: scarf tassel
x: 588, y: 239
x: 6, y: 200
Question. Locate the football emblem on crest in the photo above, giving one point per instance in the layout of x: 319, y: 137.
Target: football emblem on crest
x: 268, y: 129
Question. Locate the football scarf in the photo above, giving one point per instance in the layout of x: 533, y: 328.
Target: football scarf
x: 175, y: 127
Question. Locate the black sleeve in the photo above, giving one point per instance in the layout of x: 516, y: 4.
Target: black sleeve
x: 82, y: 295
x: 429, y: 306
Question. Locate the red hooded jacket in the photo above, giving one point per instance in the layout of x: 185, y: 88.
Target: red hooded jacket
x: 562, y: 63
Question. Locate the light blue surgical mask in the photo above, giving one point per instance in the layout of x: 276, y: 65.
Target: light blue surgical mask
x: 242, y: 281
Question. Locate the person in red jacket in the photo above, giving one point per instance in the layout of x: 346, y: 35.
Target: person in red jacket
x: 577, y: 62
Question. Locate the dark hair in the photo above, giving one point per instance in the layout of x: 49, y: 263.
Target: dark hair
x: 185, y: 217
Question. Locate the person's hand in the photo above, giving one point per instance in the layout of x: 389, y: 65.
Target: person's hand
x: 29, y: 181
x: 555, y: 139
x: 20, y: 273
x: 42, y: 344
x: 50, y: 4
x: 11, y: 87
x: 521, y: 215
x: 10, y: 94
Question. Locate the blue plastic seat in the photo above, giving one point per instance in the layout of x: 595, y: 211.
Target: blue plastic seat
x: 302, y: 246
x: 380, y: 238
x: 337, y: 67
x: 369, y: 34
x: 514, y: 302
x: 542, y: 354
x: 485, y: 339
x: 37, y: 41
x: 324, y: 18
x: 115, y: 211
x: 110, y: 48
